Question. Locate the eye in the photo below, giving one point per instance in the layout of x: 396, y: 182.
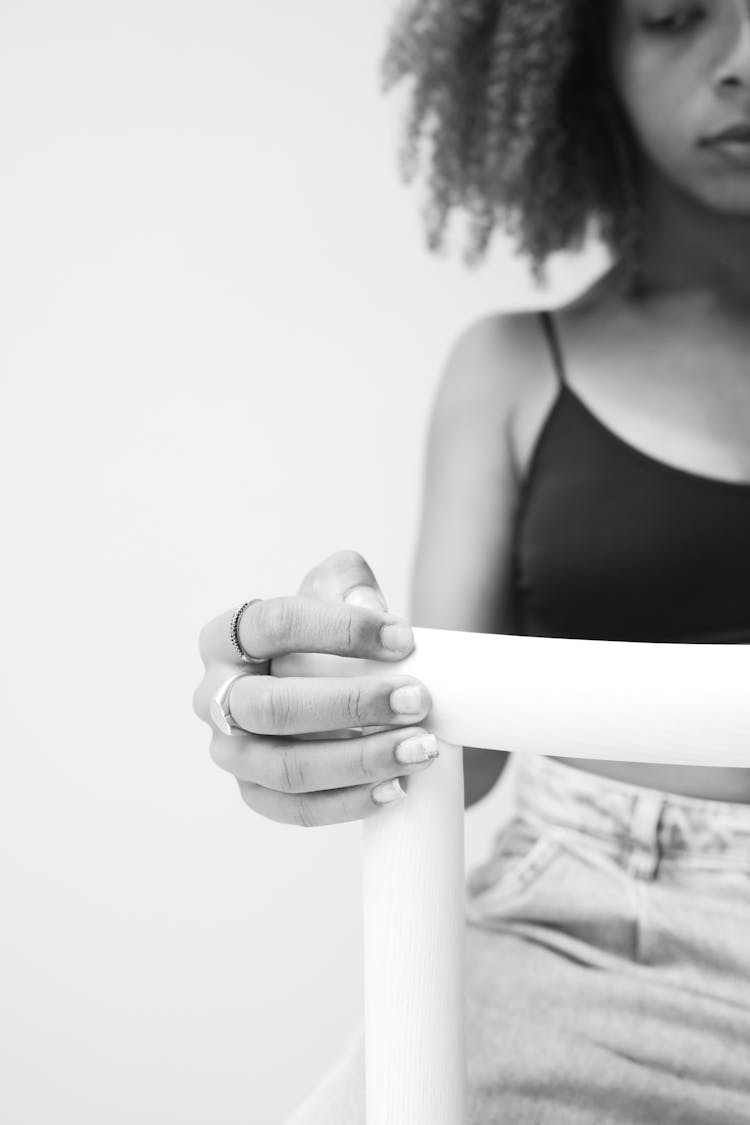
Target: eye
x: 675, y: 22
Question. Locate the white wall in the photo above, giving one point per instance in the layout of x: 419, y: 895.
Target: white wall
x: 221, y: 333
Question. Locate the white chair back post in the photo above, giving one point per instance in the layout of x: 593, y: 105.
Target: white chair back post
x: 612, y: 700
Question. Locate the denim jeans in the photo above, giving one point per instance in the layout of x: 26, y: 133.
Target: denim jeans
x: 607, y: 962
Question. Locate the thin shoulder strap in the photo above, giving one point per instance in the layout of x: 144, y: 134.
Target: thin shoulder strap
x: 554, y: 344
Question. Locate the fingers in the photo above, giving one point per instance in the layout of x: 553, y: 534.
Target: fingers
x: 343, y: 579
x: 216, y: 674
x: 296, y: 765
x: 315, y: 810
x: 276, y: 778
x: 214, y: 643
x: 298, y: 704
x: 277, y: 626
x: 292, y: 767
x: 281, y: 625
x: 344, y: 576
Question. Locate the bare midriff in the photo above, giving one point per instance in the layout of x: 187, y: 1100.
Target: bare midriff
x: 707, y: 782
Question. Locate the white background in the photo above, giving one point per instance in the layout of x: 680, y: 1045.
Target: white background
x: 221, y: 332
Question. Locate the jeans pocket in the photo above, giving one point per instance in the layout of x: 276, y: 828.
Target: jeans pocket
x: 522, y: 852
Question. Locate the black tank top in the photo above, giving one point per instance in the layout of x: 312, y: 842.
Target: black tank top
x: 614, y: 544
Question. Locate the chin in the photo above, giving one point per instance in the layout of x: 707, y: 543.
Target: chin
x: 733, y: 201
x: 725, y: 195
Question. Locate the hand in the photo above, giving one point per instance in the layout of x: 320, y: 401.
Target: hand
x: 298, y: 763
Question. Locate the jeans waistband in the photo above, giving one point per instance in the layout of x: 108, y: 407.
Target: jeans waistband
x: 649, y: 825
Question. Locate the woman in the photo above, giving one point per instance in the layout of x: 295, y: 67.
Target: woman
x: 588, y: 475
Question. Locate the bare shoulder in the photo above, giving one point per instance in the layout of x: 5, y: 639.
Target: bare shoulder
x: 486, y: 356
x: 486, y: 369
x: 498, y: 382
x: 499, y: 356
x: 462, y: 574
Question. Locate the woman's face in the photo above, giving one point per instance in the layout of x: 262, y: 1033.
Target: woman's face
x: 681, y: 69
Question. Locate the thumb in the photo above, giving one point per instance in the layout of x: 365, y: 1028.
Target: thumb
x: 344, y: 576
x: 368, y: 596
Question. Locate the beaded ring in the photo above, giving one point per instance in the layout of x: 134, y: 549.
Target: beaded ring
x: 235, y: 636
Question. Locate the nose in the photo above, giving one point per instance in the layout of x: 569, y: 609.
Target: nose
x: 734, y: 68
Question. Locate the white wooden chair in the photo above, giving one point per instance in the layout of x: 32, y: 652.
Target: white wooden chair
x: 617, y: 700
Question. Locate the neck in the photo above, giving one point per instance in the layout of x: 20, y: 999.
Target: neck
x: 690, y: 249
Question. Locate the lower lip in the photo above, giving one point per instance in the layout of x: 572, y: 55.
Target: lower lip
x: 737, y: 152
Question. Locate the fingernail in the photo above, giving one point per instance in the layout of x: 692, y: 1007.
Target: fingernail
x: 397, y: 638
x: 388, y: 791
x: 419, y: 748
x: 406, y: 700
x: 366, y: 596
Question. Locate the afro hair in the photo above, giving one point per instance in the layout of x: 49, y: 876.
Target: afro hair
x: 515, y: 104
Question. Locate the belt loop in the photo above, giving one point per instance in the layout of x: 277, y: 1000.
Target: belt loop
x: 643, y: 860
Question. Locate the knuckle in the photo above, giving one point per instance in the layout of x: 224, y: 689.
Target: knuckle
x: 217, y: 750
x: 348, y: 569
x: 256, y: 797
x: 204, y: 642
x: 275, y: 619
x: 207, y: 638
x: 355, y: 707
x: 312, y: 584
x: 304, y: 814
x: 238, y: 760
x: 368, y: 764
x: 357, y: 628
x: 199, y: 707
x: 349, y: 559
x: 272, y: 709
x: 336, y: 575
x: 289, y: 772
x: 265, y: 618
x: 247, y: 792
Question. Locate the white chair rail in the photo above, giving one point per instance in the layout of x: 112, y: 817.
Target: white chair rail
x: 618, y: 700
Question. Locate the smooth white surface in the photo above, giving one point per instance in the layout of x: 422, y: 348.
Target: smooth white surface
x: 413, y: 919
x: 686, y: 704
x: 215, y: 296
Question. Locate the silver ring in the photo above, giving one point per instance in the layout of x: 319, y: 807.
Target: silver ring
x: 234, y: 635
x: 219, y: 708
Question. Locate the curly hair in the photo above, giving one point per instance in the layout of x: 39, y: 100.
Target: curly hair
x: 523, y: 125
